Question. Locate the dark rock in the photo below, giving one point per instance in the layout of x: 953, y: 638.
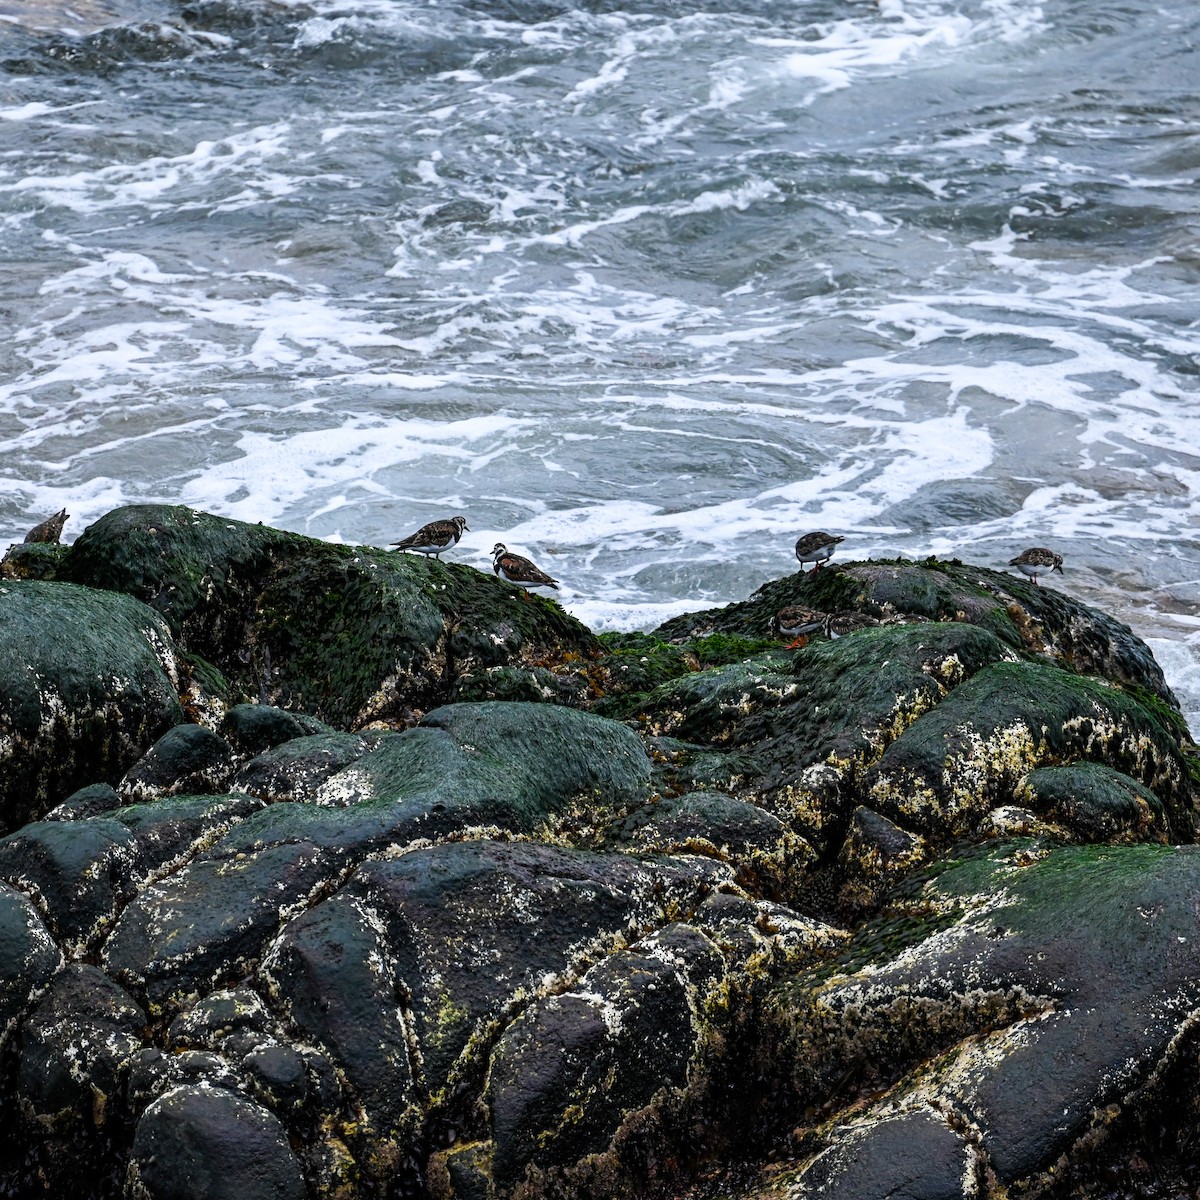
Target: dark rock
x: 28, y: 957
x: 1032, y: 619
x: 84, y: 872
x: 255, y: 728
x: 33, y: 560
x: 206, y: 1143
x: 911, y: 1156
x: 187, y: 759
x: 384, y: 965
x: 972, y: 751
x: 152, y: 1074
x: 1008, y: 960
x: 91, y: 801
x: 507, y: 765
x: 207, y: 1024
x: 87, y: 683
x: 278, y: 1076
x: 1097, y: 804
x: 725, y: 824
x: 463, y: 1173
x: 765, y: 855
x: 347, y: 634
x: 297, y: 769
x: 73, y: 1056
x: 75, y: 1047
x: 577, y: 1065
x: 808, y: 730
x: 874, y: 853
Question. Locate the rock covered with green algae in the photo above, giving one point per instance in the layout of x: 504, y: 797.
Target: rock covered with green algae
x: 519, y: 951
x: 88, y: 681
x: 347, y: 634
x: 1024, y: 1006
x: 1026, y: 617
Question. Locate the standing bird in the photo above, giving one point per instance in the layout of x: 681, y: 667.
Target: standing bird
x: 434, y: 537
x: 1037, y: 559
x: 49, y: 530
x: 816, y: 548
x: 519, y: 570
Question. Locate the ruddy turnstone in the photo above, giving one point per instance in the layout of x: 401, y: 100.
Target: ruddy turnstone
x: 816, y: 548
x: 837, y: 625
x: 434, y: 537
x: 519, y: 570
x: 1035, y: 560
x: 49, y: 530
x: 797, y: 622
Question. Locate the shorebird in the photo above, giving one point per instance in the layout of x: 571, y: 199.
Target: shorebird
x: 797, y: 622
x: 49, y: 530
x: 816, y: 548
x: 519, y: 570
x: 434, y: 537
x: 1037, y: 559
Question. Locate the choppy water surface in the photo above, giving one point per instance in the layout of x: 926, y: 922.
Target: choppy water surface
x: 645, y: 289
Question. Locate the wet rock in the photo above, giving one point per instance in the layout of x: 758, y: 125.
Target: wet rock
x: 87, y: 683
x: 1010, y: 959
x: 350, y: 635
x: 84, y: 872
x: 973, y: 750
x: 255, y: 728
x: 32, y: 560
x: 296, y: 770
x: 187, y: 759
x: 91, y: 801
x: 75, y: 1046
x: 206, y: 1143
x: 207, y: 1024
x: 873, y: 855
x: 28, y: 957
x: 1096, y: 803
x: 510, y: 766
x: 382, y: 978
x: 577, y: 1066
x: 1028, y: 618
x: 808, y: 724
x: 765, y: 855
x: 914, y: 1155
x: 73, y: 1055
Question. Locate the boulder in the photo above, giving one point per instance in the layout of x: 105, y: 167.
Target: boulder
x: 187, y: 759
x: 87, y: 684
x: 1027, y: 617
x: 350, y: 635
x: 200, y: 1142
x: 1015, y: 956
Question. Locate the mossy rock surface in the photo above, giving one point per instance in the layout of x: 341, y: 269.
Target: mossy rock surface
x: 345, y: 634
x: 33, y: 560
x: 1097, y: 803
x: 1011, y: 958
x: 970, y: 753
x: 1035, y: 620
x: 831, y: 707
x: 87, y: 684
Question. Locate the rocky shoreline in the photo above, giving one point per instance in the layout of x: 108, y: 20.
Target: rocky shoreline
x: 334, y: 872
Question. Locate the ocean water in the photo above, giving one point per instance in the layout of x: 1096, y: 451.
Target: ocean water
x: 644, y: 289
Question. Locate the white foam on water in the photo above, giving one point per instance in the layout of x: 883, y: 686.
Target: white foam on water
x: 1180, y: 661
x: 275, y: 475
